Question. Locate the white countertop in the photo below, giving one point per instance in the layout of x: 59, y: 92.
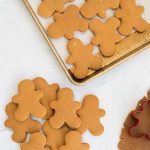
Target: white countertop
x: 24, y: 55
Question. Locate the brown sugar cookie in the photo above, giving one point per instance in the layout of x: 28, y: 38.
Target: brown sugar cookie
x: 48, y: 7
x: 20, y: 129
x: 55, y: 137
x: 131, y: 18
x: 37, y: 142
x: 90, y: 116
x: 28, y: 101
x: 78, y: 53
x: 50, y: 93
x: 65, y: 110
x: 67, y: 23
x: 73, y: 141
x: 98, y: 7
x: 105, y: 35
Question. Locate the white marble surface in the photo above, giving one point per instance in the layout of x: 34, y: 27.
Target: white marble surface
x: 25, y: 54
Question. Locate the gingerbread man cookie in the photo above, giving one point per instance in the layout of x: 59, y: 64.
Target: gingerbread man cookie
x: 67, y: 23
x: 105, y: 35
x: 28, y: 101
x: 55, y: 137
x: 98, y: 7
x: 20, y: 129
x: 131, y: 18
x: 50, y: 93
x: 73, y: 141
x: 65, y: 110
x: 48, y: 7
x: 90, y: 116
x: 37, y: 142
x: 78, y: 53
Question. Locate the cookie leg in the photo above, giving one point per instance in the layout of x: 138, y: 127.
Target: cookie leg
x: 125, y: 29
x: 142, y: 25
x: 73, y: 122
x: 40, y: 113
x: 19, y: 136
x: 80, y: 71
x: 108, y: 49
x: 82, y: 129
x: 21, y: 114
x: 96, y: 129
x: 56, y: 122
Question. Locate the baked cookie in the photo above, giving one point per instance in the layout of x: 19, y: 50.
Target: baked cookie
x: 54, y: 137
x: 73, y: 141
x: 50, y: 93
x: 131, y: 18
x: 90, y: 116
x: 37, y: 142
x: 48, y: 7
x: 20, y: 129
x: 65, y: 110
x: 78, y: 56
x: 105, y: 35
x: 67, y: 23
x: 92, y: 8
x: 28, y: 101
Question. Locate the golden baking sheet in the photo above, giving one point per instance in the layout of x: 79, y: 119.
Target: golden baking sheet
x: 128, y: 47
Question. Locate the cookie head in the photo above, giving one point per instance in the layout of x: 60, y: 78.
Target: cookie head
x: 55, y: 137
x: 73, y: 141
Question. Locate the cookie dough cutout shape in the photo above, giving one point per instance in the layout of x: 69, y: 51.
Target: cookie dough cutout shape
x: 28, y: 101
x: 48, y: 7
x: 127, y: 142
x: 142, y: 123
x: 67, y: 23
x: 90, y: 116
x: 50, y: 93
x: 73, y: 141
x: 37, y: 142
x: 20, y: 129
x: 105, y: 35
x: 55, y: 137
x: 65, y: 110
x: 131, y: 18
x: 92, y: 8
x: 78, y: 56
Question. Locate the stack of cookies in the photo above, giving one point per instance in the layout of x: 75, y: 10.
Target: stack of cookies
x: 65, y: 120
x: 107, y: 31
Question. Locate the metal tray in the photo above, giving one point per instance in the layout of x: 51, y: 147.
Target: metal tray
x: 127, y: 48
